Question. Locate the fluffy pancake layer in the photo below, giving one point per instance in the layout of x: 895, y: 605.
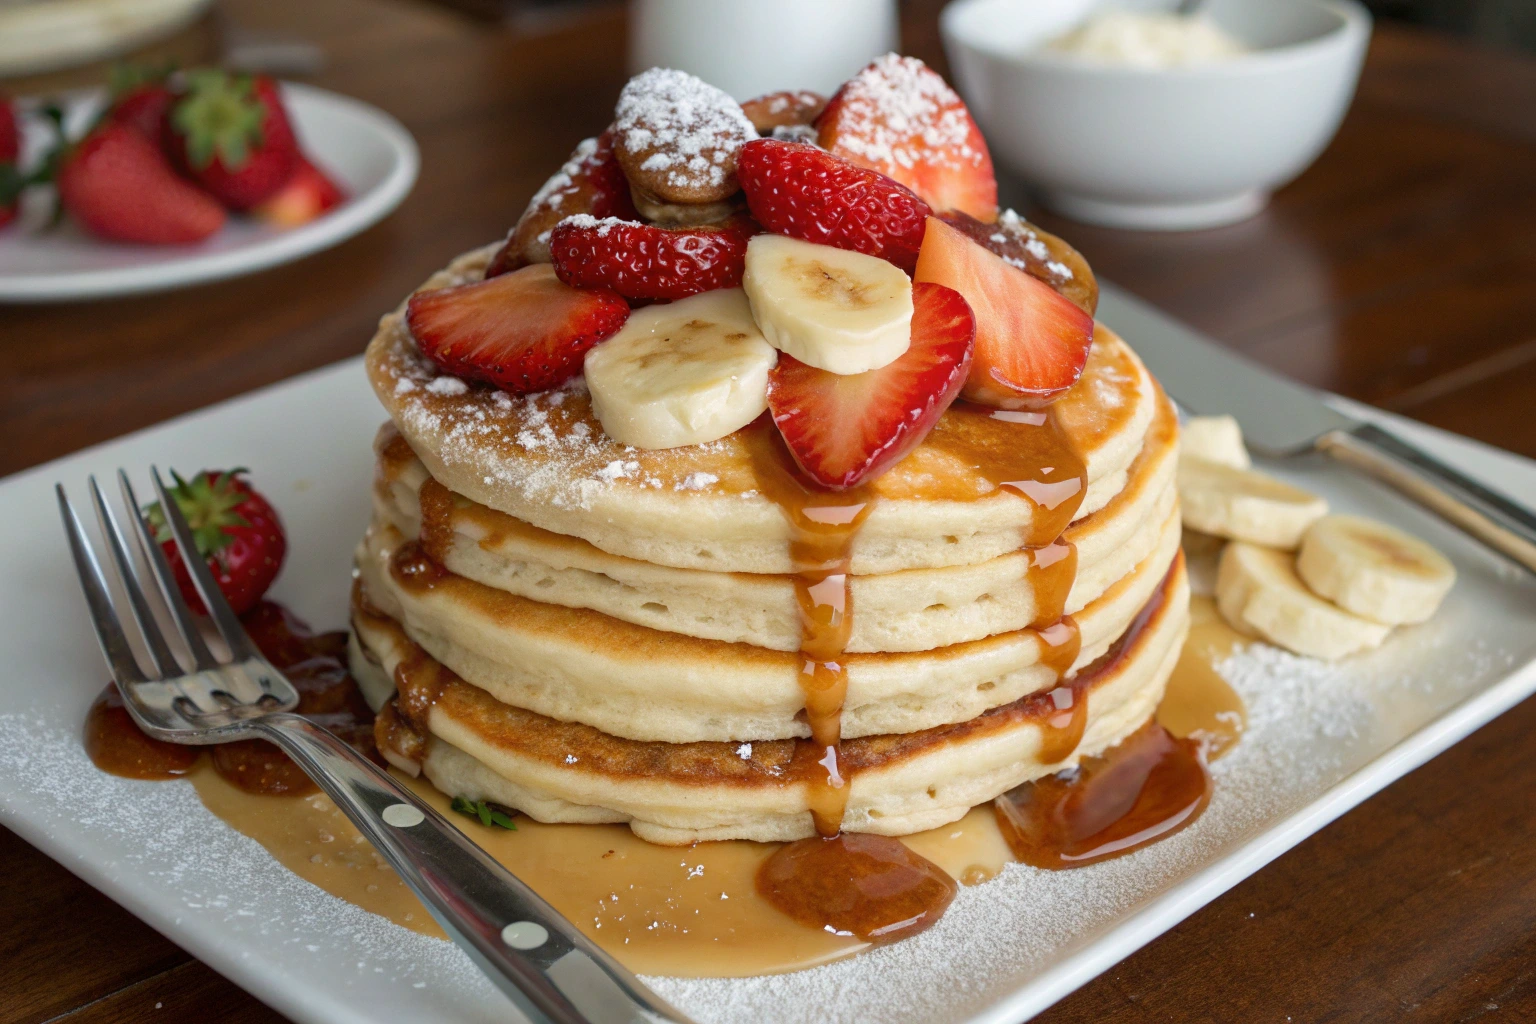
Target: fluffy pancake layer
x: 914, y: 610
x: 481, y: 748
x: 545, y: 460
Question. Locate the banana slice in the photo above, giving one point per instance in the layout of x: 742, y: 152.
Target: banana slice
x: 1241, y: 504
x: 682, y: 373
x: 1374, y: 570
x: 1215, y: 439
x: 833, y: 309
x: 1259, y: 593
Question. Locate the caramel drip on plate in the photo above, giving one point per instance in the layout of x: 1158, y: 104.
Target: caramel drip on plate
x: 1146, y: 788
x: 1199, y: 703
x: 316, y: 665
x: 857, y: 885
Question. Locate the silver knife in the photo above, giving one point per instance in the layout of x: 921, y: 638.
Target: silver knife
x: 1282, y: 418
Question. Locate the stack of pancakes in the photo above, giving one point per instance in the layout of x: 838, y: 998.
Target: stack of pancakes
x: 588, y: 632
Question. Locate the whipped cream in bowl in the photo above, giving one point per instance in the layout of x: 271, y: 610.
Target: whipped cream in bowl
x: 1136, y: 116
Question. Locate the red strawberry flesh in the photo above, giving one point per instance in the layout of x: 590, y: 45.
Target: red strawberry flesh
x: 523, y: 332
x: 899, y: 117
x: 845, y: 429
x: 1031, y: 341
x: 308, y: 194
x: 643, y: 261
x: 798, y: 190
x: 120, y: 187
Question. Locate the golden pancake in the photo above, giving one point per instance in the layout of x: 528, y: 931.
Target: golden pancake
x: 472, y: 745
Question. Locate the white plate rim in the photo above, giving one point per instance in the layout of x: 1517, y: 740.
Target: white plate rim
x: 353, y: 217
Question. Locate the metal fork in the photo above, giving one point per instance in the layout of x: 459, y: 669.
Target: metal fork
x: 190, y: 694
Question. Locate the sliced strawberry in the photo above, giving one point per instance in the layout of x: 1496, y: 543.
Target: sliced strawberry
x: 230, y: 134
x: 1038, y: 253
x: 798, y: 190
x: 119, y: 186
x: 643, y: 261
x: 844, y: 429
x: 591, y: 182
x: 783, y: 109
x: 899, y: 117
x: 523, y: 331
x: 1031, y: 341
x: 308, y: 194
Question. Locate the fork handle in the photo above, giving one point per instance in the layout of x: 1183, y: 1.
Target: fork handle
x: 541, y: 961
x: 1487, y: 516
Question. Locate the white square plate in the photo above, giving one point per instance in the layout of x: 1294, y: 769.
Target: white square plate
x: 1321, y: 739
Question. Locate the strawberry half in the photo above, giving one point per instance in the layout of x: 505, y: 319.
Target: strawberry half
x: 231, y: 135
x: 899, y: 117
x: 1031, y: 341
x: 844, y: 429
x: 308, y: 194
x: 643, y: 261
x: 10, y: 149
x: 120, y: 187
x: 523, y: 332
x: 235, y: 529
x: 798, y: 190
x: 591, y: 182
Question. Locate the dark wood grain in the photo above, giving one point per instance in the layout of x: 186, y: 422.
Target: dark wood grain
x: 1400, y: 269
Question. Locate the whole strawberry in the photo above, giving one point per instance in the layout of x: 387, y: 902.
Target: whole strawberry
x: 231, y: 135
x: 140, y: 98
x: 10, y: 150
x: 120, y: 187
x: 235, y: 529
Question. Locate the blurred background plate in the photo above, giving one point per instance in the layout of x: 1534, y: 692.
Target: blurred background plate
x: 43, y: 35
x: 368, y: 152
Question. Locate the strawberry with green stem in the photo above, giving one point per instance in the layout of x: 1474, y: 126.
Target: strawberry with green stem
x: 235, y: 529
x: 230, y: 134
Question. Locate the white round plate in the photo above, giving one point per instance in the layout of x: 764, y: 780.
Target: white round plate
x: 368, y: 153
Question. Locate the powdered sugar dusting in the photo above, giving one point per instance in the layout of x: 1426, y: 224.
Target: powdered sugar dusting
x: 689, y: 130
x: 1012, y: 227
x: 898, y: 112
x: 587, y: 222
x: 553, y: 192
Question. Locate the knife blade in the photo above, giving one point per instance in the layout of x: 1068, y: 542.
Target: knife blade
x: 1280, y: 417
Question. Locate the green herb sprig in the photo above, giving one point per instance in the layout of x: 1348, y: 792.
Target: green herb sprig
x: 489, y: 816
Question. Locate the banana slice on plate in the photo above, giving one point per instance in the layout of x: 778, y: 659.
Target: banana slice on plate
x: 1259, y: 593
x: 1374, y: 570
x: 1242, y: 504
x: 833, y: 309
x: 682, y: 373
x: 1215, y: 439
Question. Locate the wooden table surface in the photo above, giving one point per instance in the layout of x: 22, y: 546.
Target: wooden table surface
x: 1400, y: 269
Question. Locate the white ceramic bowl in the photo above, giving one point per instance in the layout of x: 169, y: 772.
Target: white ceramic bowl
x: 1169, y: 149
